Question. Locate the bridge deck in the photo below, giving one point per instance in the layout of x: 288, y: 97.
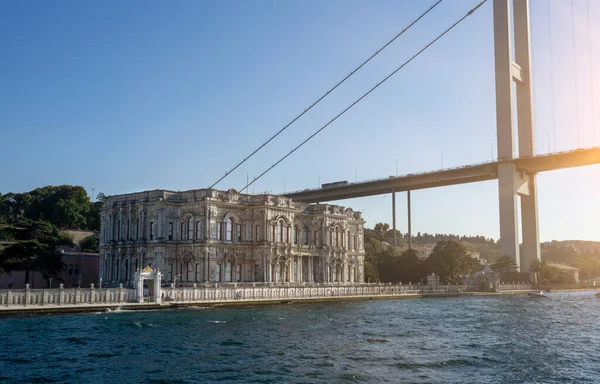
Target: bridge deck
x: 452, y: 176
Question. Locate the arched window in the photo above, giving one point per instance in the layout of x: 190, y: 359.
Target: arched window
x: 190, y: 228
x: 277, y: 272
x: 347, y: 240
x: 280, y: 231
x: 295, y: 238
x: 228, y: 272
x: 229, y: 230
x: 335, y: 237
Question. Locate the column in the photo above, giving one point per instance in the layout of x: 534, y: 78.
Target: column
x: 504, y: 130
x: 206, y: 264
x: 529, y: 214
x: 394, y: 216
x: 409, y: 220
x: 101, y: 267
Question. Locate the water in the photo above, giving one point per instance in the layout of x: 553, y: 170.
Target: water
x: 491, y: 339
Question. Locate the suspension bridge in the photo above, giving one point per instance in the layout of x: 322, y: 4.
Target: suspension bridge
x: 517, y: 164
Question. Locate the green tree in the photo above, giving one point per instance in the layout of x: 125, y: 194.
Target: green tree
x: 31, y: 255
x: 504, y: 264
x: 450, y: 259
x: 90, y: 243
x: 373, y: 251
x: 93, y: 216
x: 381, y: 230
x: 412, y: 268
x: 34, y: 249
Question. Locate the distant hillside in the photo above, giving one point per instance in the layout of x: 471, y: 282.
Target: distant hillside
x: 581, y: 254
x: 579, y: 245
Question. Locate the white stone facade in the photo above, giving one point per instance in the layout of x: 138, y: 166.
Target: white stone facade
x: 223, y: 236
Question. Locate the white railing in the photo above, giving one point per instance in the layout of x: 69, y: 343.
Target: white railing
x: 515, y: 287
x: 216, y: 293
x: 60, y: 296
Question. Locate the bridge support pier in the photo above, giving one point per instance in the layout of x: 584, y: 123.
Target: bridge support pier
x: 409, y: 220
x: 394, y: 217
x: 511, y: 182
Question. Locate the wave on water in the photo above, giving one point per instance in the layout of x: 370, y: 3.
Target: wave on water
x: 139, y: 324
x: 217, y: 321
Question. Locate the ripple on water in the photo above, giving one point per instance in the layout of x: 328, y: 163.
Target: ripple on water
x: 553, y: 340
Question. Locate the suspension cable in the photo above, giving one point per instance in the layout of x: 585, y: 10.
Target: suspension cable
x: 368, y: 92
x: 328, y: 92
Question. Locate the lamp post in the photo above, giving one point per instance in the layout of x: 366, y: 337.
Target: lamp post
x: 100, y: 287
x: 396, y: 160
x: 50, y: 280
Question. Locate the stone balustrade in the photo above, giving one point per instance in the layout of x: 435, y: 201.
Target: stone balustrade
x: 62, y: 296
x: 214, y: 293
x: 503, y: 287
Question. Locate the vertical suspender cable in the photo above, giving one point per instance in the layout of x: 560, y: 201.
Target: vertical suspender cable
x: 591, y: 76
x: 551, y: 77
x: 575, y: 74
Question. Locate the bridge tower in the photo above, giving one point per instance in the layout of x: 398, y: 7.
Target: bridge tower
x: 513, y: 184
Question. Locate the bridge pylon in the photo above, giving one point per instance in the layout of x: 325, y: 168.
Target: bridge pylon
x: 513, y: 185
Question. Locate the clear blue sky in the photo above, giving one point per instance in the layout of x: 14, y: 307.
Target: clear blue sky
x: 136, y: 95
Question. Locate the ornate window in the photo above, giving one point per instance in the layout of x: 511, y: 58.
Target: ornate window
x: 238, y: 232
x: 218, y: 272
x: 305, y: 270
x: 198, y: 231
x: 170, y: 230
x: 190, y: 228
x: 295, y: 266
x: 238, y: 272
x: 219, y: 231
x: 228, y: 272
x: 280, y: 231
x: 229, y: 230
x: 335, y: 235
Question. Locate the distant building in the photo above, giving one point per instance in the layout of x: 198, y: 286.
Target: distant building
x: 224, y: 236
x: 79, y: 269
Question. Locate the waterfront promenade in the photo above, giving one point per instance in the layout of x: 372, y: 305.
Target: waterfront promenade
x: 94, y: 299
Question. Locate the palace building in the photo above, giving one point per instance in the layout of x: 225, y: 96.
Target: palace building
x: 208, y: 236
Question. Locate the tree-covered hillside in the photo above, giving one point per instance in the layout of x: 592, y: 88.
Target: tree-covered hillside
x: 63, y: 206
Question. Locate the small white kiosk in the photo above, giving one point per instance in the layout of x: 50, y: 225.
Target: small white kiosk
x: 153, y: 285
